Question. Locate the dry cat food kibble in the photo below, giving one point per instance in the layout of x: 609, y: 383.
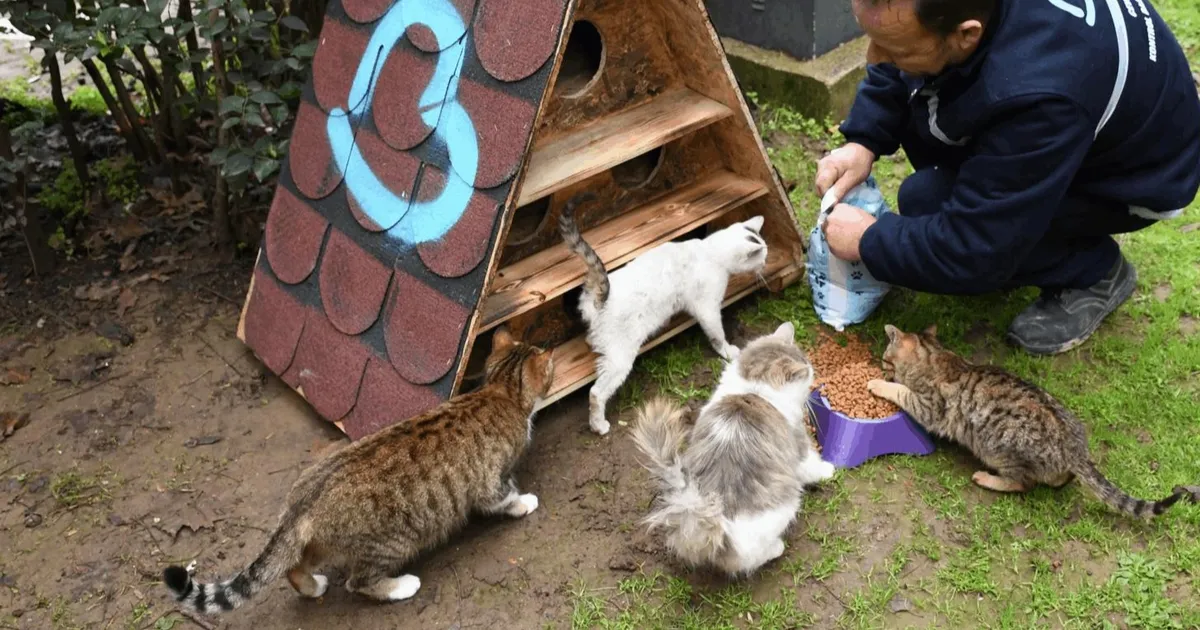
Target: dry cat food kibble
x: 844, y: 372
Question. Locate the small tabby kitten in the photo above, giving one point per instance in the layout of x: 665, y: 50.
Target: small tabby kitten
x: 624, y: 309
x: 374, y: 505
x: 1014, y: 427
x: 728, y: 499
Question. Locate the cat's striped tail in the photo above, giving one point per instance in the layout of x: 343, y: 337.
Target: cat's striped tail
x: 283, y: 551
x: 694, y: 521
x: 596, y: 280
x: 1121, y: 501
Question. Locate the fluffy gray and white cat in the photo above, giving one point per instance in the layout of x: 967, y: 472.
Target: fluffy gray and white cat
x: 624, y: 309
x: 727, y: 499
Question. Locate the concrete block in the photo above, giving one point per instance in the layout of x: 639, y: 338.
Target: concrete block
x: 824, y: 86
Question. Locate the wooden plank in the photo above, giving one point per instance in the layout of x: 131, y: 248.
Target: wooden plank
x: 531, y: 282
x: 575, y: 362
x: 607, y: 142
x: 509, y: 209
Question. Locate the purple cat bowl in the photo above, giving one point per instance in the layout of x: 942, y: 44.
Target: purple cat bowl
x: 847, y: 442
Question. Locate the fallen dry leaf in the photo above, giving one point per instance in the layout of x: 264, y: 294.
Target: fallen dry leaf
x: 13, y: 421
x: 16, y: 376
x: 128, y: 262
x: 126, y: 301
x: 1191, y: 227
x: 128, y: 230
x: 97, y: 292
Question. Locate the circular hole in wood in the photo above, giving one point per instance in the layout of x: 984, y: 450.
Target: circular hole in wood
x: 638, y: 171
x: 581, y: 62
x: 528, y: 221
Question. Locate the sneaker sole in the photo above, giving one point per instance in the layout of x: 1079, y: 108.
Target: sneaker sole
x: 1075, y: 343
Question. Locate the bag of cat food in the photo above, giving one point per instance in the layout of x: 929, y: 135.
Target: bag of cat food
x: 845, y: 293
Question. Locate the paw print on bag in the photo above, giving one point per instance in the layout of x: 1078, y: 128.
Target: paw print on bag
x: 843, y: 292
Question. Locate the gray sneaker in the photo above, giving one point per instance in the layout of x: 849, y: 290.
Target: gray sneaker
x: 1060, y: 320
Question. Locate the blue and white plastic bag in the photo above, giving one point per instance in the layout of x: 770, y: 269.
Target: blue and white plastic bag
x: 845, y: 293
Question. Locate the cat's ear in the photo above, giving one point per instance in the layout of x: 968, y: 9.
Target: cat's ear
x: 501, y: 339
x: 785, y: 332
x: 543, y: 362
x: 892, y: 331
x: 754, y: 223
x: 931, y: 331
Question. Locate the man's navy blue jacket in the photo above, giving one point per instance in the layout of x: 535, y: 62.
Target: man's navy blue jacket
x: 1062, y: 97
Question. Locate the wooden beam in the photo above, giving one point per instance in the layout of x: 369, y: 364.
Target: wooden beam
x: 531, y: 282
x: 596, y: 147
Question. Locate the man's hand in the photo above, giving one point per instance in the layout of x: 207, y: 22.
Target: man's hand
x: 844, y: 229
x: 844, y: 168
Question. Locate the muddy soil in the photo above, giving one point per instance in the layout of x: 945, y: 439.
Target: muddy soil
x: 156, y: 437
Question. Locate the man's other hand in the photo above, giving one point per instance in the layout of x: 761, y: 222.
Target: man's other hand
x: 844, y: 229
x: 844, y: 168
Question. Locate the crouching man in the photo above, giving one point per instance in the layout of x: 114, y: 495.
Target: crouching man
x: 1037, y: 130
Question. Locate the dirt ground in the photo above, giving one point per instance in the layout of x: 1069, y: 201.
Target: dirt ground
x: 175, y: 444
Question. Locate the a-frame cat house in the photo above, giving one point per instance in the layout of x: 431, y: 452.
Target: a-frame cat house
x: 432, y: 152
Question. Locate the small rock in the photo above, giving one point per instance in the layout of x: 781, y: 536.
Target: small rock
x: 18, y: 613
x: 115, y: 520
x: 33, y: 519
x: 7, y: 581
x: 899, y: 605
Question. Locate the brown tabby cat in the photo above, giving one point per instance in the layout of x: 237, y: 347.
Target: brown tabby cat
x: 1014, y: 427
x: 374, y: 505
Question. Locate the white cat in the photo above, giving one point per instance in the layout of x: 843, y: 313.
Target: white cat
x: 728, y: 499
x: 624, y: 309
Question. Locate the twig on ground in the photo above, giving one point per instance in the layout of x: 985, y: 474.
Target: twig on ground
x: 193, y: 381
x: 196, y: 620
x: 6, y: 470
x: 223, y: 297
x: 152, y: 538
x: 834, y: 595
x: 219, y: 355
x: 91, y: 387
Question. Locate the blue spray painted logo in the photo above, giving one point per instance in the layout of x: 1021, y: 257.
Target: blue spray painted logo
x: 413, y: 222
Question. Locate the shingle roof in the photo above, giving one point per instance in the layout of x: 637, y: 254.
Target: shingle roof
x: 401, y: 159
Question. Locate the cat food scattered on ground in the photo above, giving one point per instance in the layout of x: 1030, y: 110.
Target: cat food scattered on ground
x: 843, y: 371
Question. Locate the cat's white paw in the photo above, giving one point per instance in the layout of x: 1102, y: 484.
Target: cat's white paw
x: 730, y: 352
x: 600, y: 426
x: 777, y: 549
x: 525, y: 504
x: 404, y: 587
x: 322, y: 585
x: 878, y: 387
x: 825, y: 471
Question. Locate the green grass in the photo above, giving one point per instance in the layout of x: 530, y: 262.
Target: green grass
x: 1184, y: 18
x: 659, y: 602
x: 966, y: 557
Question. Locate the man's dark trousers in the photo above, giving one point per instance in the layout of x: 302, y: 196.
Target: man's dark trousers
x: 1076, y: 251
